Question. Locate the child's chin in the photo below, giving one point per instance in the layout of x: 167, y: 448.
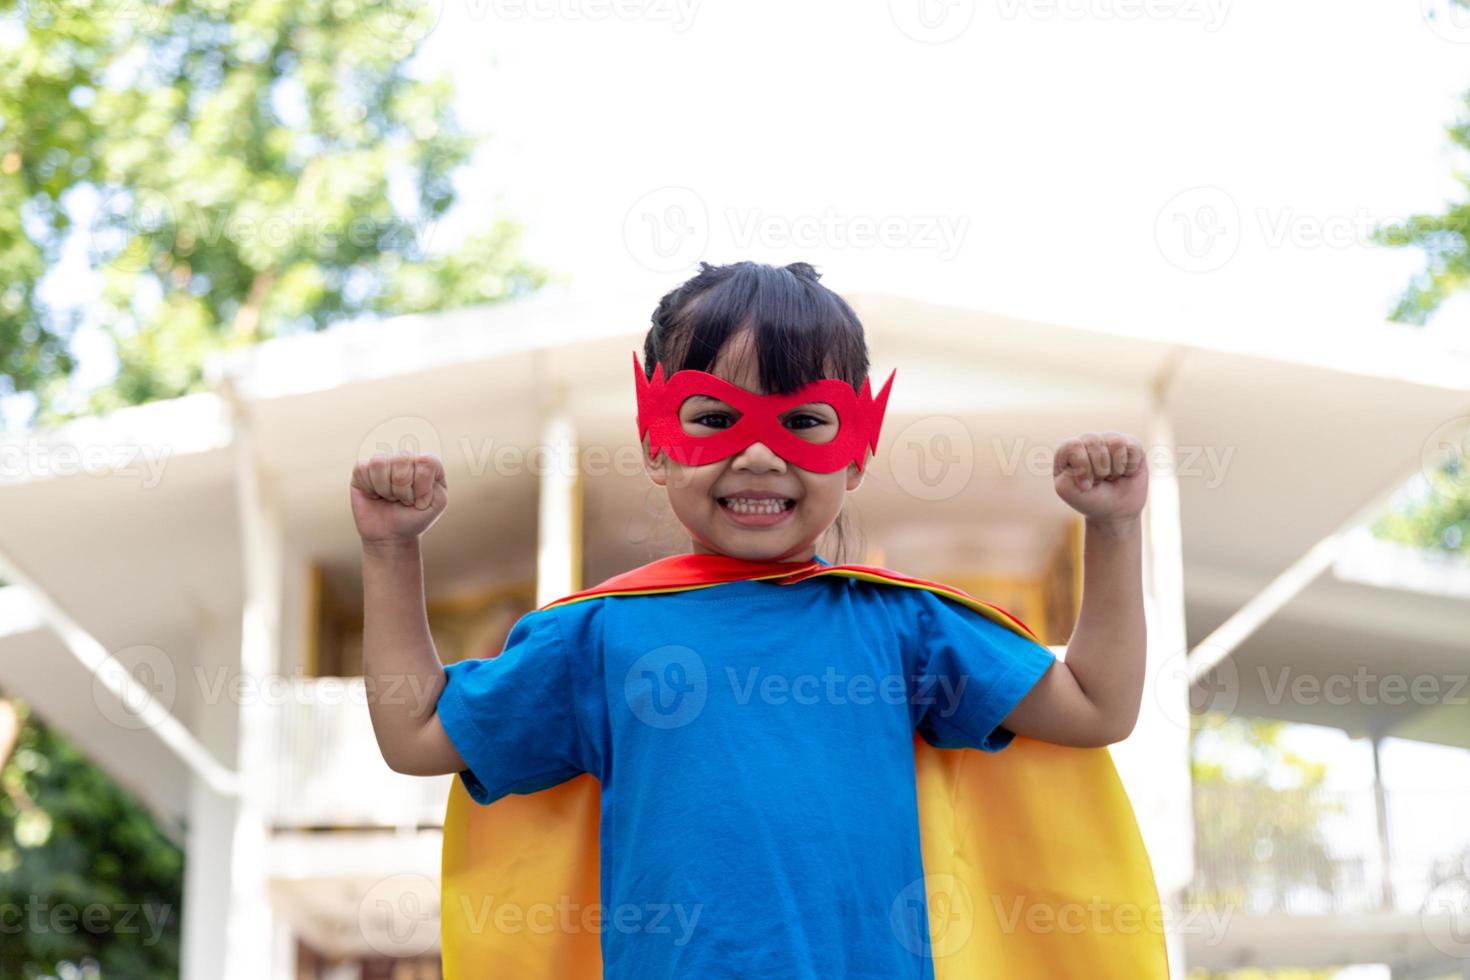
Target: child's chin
x: 769, y: 551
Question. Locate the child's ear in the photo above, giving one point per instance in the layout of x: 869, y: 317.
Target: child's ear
x: 655, y: 466
x: 855, y: 475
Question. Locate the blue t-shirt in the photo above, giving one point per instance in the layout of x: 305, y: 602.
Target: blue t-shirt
x: 754, y: 742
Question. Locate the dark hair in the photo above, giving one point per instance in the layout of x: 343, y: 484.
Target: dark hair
x: 802, y: 331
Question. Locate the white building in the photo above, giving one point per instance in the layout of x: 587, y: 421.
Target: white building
x: 206, y: 546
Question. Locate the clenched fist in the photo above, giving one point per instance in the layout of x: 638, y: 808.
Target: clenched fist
x: 397, y: 497
x: 1102, y: 475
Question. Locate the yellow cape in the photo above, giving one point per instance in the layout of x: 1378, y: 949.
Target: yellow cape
x: 1034, y: 865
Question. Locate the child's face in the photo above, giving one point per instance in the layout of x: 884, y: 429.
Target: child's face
x: 698, y: 494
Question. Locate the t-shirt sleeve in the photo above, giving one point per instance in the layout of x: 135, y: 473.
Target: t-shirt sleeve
x: 972, y: 672
x: 513, y: 717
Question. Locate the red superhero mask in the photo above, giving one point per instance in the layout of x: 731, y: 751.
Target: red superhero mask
x: 859, y: 419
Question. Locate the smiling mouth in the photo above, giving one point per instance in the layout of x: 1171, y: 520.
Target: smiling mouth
x: 747, y: 505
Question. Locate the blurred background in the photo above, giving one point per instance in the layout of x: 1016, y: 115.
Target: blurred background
x: 245, y: 244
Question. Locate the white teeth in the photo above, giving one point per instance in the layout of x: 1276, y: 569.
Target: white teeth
x: 741, y: 505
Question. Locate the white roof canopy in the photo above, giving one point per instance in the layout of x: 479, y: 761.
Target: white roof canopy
x: 1275, y: 452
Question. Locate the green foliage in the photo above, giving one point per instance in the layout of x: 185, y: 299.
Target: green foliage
x: 84, y: 872
x: 1259, y: 811
x: 235, y: 170
x: 1440, y: 520
x: 1447, y: 251
x: 1435, y: 523
x: 1242, y: 750
x: 1444, y: 238
x: 1437, y: 518
x: 231, y: 171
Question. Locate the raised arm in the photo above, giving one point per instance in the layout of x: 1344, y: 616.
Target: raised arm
x: 394, y: 501
x: 1093, y: 697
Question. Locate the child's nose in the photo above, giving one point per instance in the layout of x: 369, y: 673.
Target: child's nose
x: 757, y: 456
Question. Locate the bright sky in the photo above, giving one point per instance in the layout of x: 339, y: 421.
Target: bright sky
x: 1044, y: 161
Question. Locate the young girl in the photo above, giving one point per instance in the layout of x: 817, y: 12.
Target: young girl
x: 747, y: 761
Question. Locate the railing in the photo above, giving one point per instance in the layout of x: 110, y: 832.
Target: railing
x: 327, y: 771
x: 1313, y: 852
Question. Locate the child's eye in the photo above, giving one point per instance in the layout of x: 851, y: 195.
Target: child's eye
x: 814, y: 420
x: 723, y: 420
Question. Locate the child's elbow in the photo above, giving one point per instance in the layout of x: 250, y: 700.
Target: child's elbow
x: 396, y: 759
x: 1115, y: 731
x: 403, y: 763
x: 425, y: 752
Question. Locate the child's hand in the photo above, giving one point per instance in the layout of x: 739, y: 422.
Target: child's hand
x: 1102, y: 476
x: 396, y: 498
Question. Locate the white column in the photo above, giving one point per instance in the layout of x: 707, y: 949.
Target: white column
x: 210, y: 824
x: 228, y: 849
x: 559, y: 516
x: 206, y: 887
x: 1153, y: 762
x: 1380, y: 813
x: 212, y: 816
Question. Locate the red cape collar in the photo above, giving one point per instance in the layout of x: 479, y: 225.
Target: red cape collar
x: 692, y: 571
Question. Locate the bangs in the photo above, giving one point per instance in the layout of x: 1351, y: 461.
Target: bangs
x: 802, y: 331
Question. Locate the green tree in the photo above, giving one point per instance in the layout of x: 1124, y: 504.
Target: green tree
x: 231, y: 170
x: 1259, y: 833
x: 234, y: 170
x: 85, y: 875
x: 1258, y: 826
x: 1435, y: 521
x: 1438, y: 520
x: 1443, y: 237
